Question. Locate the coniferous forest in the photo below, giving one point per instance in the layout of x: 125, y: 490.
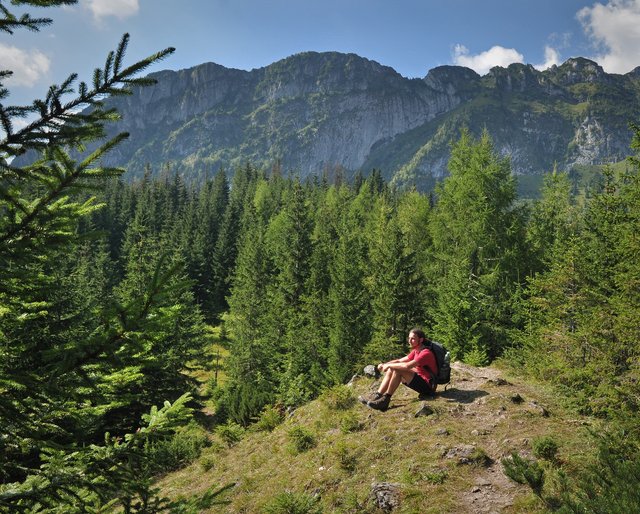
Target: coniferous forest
x: 109, y: 288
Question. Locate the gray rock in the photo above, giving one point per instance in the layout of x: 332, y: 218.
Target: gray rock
x: 539, y: 409
x: 424, y: 410
x: 371, y: 371
x: 464, y: 451
x: 385, y: 495
x: 497, y: 381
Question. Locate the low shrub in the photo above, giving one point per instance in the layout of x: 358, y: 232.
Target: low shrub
x: 269, y: 419
x: 339, y: 397
x: 545, y: 448
x: 183, y: 448
x: 524, y: 471
x: 301, y: 439
x: 436, y: 476
x: 207, y: 462
x: 231, y: 433
x: 480, y: 458
x: 350, y: 423
x: 293, y: 503
x: 346, y: 457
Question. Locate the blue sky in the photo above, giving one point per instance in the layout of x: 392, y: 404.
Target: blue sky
x: 411, y: 36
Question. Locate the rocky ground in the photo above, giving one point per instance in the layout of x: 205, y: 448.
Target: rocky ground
x: 442, y: 455
x: 499, y: 417
x: 492, y: 491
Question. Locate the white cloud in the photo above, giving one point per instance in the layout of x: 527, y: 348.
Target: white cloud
x: 27, y: 66
x: 551, y: 57
x: 484, y: 61
x: 119, y: 8
x: 615, y: 29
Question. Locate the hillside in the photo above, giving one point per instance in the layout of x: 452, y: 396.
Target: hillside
x: 446, y: 461
x: 329, y: 112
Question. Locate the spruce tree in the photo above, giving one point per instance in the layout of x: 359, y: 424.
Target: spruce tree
x: 54, y: 360
x: 200, y: 230
x: 582, y: 307
x: 289, y: 245
x: 252, y: 381
x: 223, y: 258
x: 349, y: 315
x: 478, y: 245
x: 553, y: 219
x: 394, y: 286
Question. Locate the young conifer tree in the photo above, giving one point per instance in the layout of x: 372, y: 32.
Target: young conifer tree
x: 394, y: 285
x: 223, y: 259
x: 56, y: 367
x: 289, y: 244
x: 477, y: 242
x: 251, y: 383
x: 349, y: 315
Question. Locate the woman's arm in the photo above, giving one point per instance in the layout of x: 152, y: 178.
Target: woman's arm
x: 403, y: 363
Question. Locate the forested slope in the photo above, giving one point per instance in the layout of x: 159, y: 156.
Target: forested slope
x: 114, y: 295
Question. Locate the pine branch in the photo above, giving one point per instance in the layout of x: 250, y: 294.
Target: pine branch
x: 68, y: 174
x: 9, y: 22
x: 63, y: 124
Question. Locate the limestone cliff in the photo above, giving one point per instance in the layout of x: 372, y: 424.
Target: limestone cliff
x: 317, y: 111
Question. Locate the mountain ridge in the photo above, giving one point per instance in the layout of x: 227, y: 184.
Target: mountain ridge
x: 315, y: 112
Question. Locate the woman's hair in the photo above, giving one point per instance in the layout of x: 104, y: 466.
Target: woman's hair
x: 418, y: 331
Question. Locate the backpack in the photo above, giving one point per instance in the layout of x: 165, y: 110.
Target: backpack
x: 443, y: 361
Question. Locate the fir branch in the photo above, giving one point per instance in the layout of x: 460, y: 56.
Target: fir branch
x: 48, y: 129
x: 67, y: 176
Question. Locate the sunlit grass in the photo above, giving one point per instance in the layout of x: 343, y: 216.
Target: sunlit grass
x: 353, y: 446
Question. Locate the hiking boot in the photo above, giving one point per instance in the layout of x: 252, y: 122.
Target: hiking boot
x: 381, y: 403
x: 369, y: 397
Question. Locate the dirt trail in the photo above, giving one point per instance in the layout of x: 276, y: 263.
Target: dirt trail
x: 472, y: 387
x: 494, y: 416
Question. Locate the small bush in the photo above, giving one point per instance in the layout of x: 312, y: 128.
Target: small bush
x: 480, y: 458
x: 293, y: 503
x: 207, y: 462
x: 231, y: 433
x: 545, y: 448
x: 339, y: 397
x: 345, y: 456
x: 269, y: 419
x: 524, y: 471
x: 179, y: 450
x: 350, y: 423
x: 436, y: 476
x: 301, y: 439
x: 476, y: 356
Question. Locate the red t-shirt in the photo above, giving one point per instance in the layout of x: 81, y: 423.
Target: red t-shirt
x: 425, y: 359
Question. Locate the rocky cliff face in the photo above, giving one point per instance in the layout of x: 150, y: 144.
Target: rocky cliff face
x: 315, y: 111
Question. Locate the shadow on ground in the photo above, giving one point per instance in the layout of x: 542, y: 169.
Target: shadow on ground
x: 461, y: 395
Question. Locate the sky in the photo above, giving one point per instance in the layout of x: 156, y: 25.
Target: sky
x: 411, y: 36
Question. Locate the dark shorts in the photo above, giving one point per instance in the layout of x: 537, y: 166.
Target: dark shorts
x: 419, y: 385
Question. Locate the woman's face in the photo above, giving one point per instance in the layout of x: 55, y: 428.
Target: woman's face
x: 414, y: 340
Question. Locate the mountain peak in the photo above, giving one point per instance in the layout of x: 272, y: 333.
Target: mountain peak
x: 576, y: 70
x: 322, y: 72
x: 634, y: 73
x: 452, y: 79
x: 515, y: 77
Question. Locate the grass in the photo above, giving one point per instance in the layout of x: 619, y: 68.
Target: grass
x: 332, y: 449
